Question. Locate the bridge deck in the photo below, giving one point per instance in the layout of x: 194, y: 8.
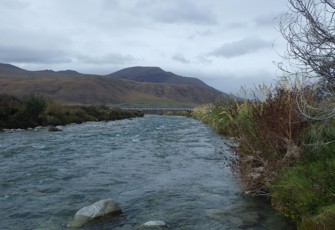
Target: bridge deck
x: 156, y: 110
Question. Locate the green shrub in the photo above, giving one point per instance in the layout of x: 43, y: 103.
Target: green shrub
x: 29, y: 113
x: 33, y: 106
x: 301, y: 190
x: 9, y: 105
x: 320, y: 142
x: 77, y: 115
x: 324, y: 219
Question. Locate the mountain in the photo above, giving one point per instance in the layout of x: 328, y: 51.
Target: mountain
x: 154, y: 75
x: 7, y: 70
x: 135, y: 85
x: 11, y: 71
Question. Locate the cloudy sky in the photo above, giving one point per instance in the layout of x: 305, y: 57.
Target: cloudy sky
x: 225, y: 43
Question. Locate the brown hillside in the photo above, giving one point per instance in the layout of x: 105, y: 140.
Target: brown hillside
x: 75, y: 88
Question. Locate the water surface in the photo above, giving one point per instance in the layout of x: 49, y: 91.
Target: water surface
x: 157, y: 168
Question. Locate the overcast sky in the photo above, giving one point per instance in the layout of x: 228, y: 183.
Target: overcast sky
x: 225, y: 43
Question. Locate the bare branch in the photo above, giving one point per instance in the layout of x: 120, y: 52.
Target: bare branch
x: 309, y: 29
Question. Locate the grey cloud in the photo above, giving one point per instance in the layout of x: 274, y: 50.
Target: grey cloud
x: 174, y: 12
x: 31, y: 55
x: 269, y: 19
x: 241, y: 47
x: 203, y: 60
x: 237, y: 25
x: 180, y: 58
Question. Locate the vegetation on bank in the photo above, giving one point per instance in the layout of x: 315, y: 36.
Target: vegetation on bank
x: 281, y: 154
x: 32, y: 111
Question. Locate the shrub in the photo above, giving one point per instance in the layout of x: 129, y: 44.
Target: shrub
x: 33, y: 106
x: 54, y: 114
x: 270, y: 135
x: 320, y: 142
x: 9, y: 105
x: 324, y: 219
x: 301, y: 190
x: 77, y: 115
x: 29, y: 112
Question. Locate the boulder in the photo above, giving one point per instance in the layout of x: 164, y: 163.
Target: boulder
x: 155, y: 224
x: 54, y: 129
x: 102, y: 208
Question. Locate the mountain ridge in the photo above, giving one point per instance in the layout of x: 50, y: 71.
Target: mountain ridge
x: 142, y: 85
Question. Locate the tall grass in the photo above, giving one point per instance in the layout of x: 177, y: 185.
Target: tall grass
x: 216, y: 115
x: 269, y: 135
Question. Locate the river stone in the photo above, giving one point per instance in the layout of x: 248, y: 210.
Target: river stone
x: 102, y: 208
x: 54, y: 129
x: 155, y: 224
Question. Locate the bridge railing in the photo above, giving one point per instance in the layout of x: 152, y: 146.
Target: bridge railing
x: 156, y: 109
x: 143, y: 108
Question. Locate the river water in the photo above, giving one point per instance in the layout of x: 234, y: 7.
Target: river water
x: 173, y: 169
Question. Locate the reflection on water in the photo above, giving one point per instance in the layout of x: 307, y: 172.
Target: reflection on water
x: 157, y: 168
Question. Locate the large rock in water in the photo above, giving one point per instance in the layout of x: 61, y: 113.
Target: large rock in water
x: 154, y: 225
x: 102, y: 208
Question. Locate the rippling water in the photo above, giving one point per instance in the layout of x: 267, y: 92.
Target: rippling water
x: 157, y: 168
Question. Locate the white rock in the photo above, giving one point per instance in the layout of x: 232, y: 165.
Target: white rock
x: 107, y: 207
x: 254, y: 175
x: 155, y: 223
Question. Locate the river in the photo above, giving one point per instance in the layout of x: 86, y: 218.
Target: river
x: 173, y: 169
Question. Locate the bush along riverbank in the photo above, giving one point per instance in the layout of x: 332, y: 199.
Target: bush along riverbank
x: 281, y: 154
x: 32, y: 111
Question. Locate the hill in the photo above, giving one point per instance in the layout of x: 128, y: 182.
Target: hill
x: 137, y: 85
x: 155, y: 75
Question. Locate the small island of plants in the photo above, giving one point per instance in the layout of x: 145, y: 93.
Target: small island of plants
x: 33, y: 110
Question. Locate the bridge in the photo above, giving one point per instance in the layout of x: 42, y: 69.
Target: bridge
x: 158, y: 109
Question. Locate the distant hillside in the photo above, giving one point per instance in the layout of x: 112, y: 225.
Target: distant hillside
x: 72, y: 87
x: 154, y: 75
x: 7, y: 70
x: 11, y: 71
